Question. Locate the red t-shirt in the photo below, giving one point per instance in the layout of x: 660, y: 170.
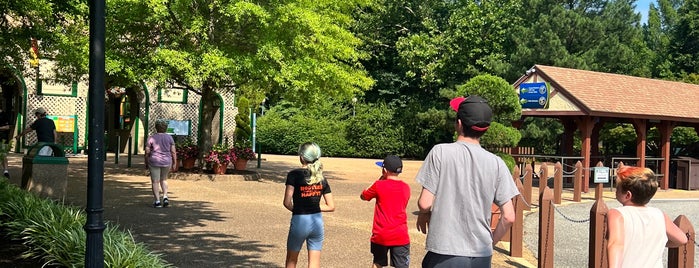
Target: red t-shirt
x: 390, y: 219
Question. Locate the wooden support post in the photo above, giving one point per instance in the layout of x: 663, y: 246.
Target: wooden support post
x: 517, y: 229
x: 599, y: 189
x: 577, y: 183
x: 598, y: 230
x: 683, y: 256
x: 546, y: 224
x: 557, y: 183
x: 527, y: 191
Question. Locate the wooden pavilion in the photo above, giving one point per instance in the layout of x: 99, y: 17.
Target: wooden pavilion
x: 586, y: 100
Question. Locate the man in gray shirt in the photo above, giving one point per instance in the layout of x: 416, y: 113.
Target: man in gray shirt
x: 460, y: 181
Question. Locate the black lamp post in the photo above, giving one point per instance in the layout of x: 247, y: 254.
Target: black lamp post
x: 94, y: 226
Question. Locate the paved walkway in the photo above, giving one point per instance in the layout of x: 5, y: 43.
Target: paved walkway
x: 226, y: 221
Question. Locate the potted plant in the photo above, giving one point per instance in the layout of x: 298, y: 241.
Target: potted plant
x: 219, y: 157
x: 187, y: 151
x: 243, y: 153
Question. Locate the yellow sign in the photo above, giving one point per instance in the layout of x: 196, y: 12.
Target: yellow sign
x: 64, y: 123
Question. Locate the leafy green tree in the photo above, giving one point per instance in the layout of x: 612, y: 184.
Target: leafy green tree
x: 299, y: 51
x: 685, y: 44
x: 54, y: 24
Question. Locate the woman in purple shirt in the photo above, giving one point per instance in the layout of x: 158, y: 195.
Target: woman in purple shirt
x: 160, y: 158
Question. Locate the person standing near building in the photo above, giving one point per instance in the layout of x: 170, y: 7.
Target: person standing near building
x: 45, y: 131
x: 160, y: 158
x: 460, y: 181
x: 390, y: 228
x: 638, y: 234
x: 5, y: 140
x: 305, y: 187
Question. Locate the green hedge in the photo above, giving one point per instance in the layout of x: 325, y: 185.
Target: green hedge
x: 54, y: 233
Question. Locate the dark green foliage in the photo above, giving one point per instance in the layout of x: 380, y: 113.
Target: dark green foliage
x: 544, y: 134
x: 499, y: 135
x: 284, y: 127
x: 508, y: 159
x: 424, y: 129
x: 54, y: 233
x: 374, y: 132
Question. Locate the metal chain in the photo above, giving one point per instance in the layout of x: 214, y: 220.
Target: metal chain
x: 570, y: 219
x: 685, y: 250
x: 570, y: 172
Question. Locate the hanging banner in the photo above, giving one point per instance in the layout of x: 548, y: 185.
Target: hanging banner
x: 534, y: 95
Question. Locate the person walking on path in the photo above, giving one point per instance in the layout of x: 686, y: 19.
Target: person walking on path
x: 304, y: 188
x: 160, y: 159
x: 390, y: 229
x: 45, y: 131
x: 639, y: 234
x: 460, y: 181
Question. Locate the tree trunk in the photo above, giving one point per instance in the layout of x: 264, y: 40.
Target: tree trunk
x: 208, y: 112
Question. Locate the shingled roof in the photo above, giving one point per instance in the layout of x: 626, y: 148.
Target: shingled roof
x: 613, y: 95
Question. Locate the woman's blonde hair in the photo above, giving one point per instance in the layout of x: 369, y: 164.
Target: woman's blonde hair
x: 310, y: 153
x: 641, y: 182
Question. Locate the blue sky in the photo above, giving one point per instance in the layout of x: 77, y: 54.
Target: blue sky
x: 642, y: 7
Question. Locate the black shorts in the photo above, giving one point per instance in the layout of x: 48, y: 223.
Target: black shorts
x: 400, y: 255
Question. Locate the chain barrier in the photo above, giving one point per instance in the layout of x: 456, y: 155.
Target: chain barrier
x: 570, y: 172
x: 569, y: 218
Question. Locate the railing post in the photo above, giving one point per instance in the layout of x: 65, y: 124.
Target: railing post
x: 577, y: 183
x: 599, y: 189
x: 546, y: 224
x: 517, y: 229
x: 683, y: 256
x: 527, y: 191
x: 598, y: 230
x: 557, y: 182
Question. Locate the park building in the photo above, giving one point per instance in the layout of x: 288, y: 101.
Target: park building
x: 130, y: 112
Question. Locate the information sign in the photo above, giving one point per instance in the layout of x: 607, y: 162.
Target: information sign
x: 534, y: 95
x: 64, y: 123
x: 178, y: 127
x: 601, y: 174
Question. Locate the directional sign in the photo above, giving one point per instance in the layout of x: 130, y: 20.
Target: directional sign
x: 534, y: 95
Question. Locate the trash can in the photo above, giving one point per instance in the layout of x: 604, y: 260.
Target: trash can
x: 45, y: 175
x: 687, y: 173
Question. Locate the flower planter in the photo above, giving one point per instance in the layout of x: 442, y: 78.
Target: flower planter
x: 219, y: 169
x: 189, y: 163
x: 241, y: 164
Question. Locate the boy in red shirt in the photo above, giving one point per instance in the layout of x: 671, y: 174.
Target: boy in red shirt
x: 390, y: 231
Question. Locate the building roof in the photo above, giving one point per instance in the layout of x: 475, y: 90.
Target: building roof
x: 613, y: 95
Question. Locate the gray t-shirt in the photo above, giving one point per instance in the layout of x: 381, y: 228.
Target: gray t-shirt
x: 465, y: 179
